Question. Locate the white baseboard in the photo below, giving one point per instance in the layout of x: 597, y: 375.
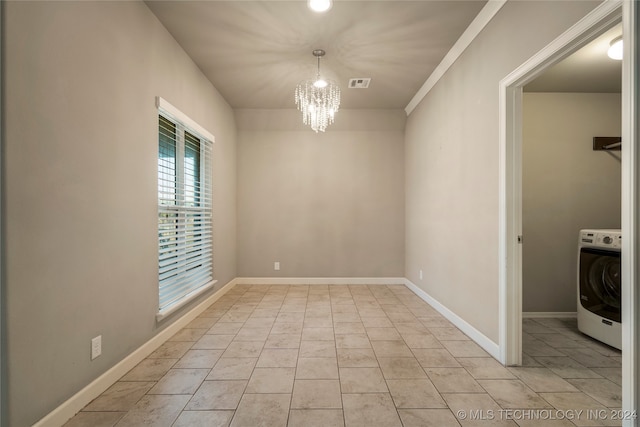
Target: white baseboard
x: 75, y: 403
x: 549, y: 314
x: 482, y: 340
x: 320, y: 280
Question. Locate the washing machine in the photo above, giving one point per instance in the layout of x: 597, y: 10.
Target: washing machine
x: 599, y: 285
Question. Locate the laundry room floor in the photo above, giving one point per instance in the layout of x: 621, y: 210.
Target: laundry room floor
x: 356, y: 356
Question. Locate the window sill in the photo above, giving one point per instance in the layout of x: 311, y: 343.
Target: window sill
x: 166, y: 312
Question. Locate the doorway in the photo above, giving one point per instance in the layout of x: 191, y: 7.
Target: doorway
x: 601, y: 19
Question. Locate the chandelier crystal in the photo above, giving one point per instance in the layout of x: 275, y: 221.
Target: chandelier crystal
x: 318, y: 99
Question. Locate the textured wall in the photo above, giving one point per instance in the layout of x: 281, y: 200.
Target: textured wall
x: 323, y: 205
x: 566, y: 186
x: 451, y: 152
x: 81, y: 188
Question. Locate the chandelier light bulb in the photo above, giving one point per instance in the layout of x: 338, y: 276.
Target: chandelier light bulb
x: 320, y: 83
x: 615, y: 49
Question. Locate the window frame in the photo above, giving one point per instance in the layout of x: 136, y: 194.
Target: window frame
x: 203, y: 206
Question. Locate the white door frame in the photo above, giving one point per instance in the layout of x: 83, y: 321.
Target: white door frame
x: 608, y: 14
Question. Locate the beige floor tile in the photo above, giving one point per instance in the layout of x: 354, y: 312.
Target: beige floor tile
x: 252, y: 334
x: 547, y: 423
x: 225, y: 328
x: 464, y: 349
x: 348, y: 328
x: 347, y: 317
x: 122, y: 396
x: 566, y: 367
x: 448, y: 334
x: 317, y: 349
x: 171, y: 350
x: 316, y: 418
x: 372, y: 312
x: 233, y: 368
x: 204, y: 419
x: 213, y: 342
x: 411, y: 328
x: 415, y: 394
x: 357, y: 358
x: 243, y: 349
x: 383, y: 334
x: 352, y: 341
x: 602, y: 390
x: 370, y: 410
x: 362, y: 380
x: 476, y: 410
x: 513, y: 394
x: 421, y: 341
x: 271, y: 380
x: 453, y: 380
x: 262, y: 410
x: 317, y: 368
x: 317, y: 334
x: 318, y: 322
x: 95, y: 419
x: 235, y: 316
x: 290, y: 317
x: 316, y: 394
x: 612, y: 374
x: 204, y: 359
x: 485, y: 368
x: 391, y: 349
x: 278, y: 358
x: 427, y: 418
x: 542, y: 379
x: 180, y: 381
x: 217, y: 395
x: 401, y: 368
x: 149, y: 370
x: 435, y: 358
x: 435, y: 321
x: 159, y: 410
x: 287, y: 328
x: 283, y: 341
x: 593, y: 359
x: 377, y: 322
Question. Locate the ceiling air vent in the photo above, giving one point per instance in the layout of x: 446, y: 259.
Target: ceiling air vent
x: 359, y: 83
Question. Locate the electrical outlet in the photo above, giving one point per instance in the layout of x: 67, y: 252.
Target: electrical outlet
x: 96, y: 347
x: 276, y: 265
x: 420, y: 274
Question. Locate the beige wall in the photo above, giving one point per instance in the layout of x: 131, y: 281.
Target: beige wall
x: 323, y: 205
x: 451, y: 162
x: 566, y: 186
x: 80, y: 141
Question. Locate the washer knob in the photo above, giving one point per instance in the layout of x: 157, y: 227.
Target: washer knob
x: 607, y: 239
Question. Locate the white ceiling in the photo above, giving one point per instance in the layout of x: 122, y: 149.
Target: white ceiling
x: 255, y: 52
x: 587, y: 70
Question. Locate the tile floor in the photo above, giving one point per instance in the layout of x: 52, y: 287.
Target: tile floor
x: 356, y: 356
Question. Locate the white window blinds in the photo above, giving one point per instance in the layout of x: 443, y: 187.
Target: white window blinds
x: 185, y: 244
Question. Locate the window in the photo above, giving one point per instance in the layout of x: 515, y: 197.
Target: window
x: 185, y: 244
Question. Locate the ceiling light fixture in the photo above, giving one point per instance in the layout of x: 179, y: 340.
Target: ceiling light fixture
x: 318, y: 99
x: 615, y: 49
x: 319, y: 5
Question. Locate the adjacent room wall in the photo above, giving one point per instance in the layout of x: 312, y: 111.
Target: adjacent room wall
x: 322, y: 204
x: 451, y: 161
x: 566, y: 186
x: 81, y: 188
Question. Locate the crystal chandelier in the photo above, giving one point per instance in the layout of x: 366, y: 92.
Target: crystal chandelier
x: 318, y: 99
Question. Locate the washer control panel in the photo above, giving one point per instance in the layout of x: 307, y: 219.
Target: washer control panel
x: 601, y: 238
